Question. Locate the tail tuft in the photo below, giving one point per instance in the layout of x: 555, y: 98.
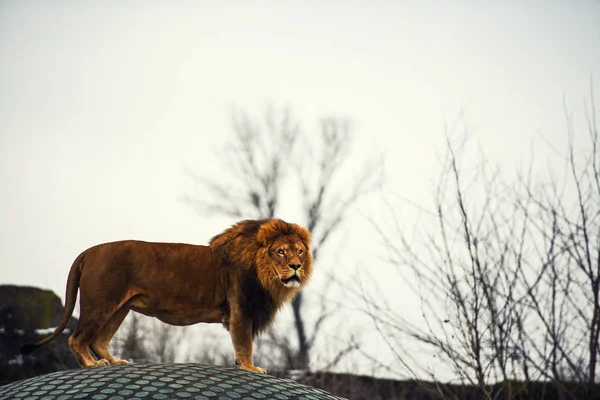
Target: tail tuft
x: 28, y: 348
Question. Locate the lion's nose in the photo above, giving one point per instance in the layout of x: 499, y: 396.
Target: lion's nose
x: 294, y: 266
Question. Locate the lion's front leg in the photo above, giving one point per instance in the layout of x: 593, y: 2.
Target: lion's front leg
x: 241, y: 335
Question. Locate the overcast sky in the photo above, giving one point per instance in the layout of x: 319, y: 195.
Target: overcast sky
x: 103, y: 104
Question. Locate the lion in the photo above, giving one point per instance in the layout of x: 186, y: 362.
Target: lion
x: 241, y: 279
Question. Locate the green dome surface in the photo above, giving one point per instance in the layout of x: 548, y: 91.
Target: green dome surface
x: 157, y: 382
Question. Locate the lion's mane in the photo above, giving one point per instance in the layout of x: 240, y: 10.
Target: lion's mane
x: 246, y: 245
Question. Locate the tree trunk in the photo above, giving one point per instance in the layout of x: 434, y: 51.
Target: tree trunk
x: 303, y: 356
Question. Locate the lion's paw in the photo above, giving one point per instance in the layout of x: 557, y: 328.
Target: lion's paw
x: 120, y: 362
x: 253, y: 368
x: 101, y: 363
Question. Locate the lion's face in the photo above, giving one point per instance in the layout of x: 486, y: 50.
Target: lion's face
x: 278, y: 251
x: 289, y: 258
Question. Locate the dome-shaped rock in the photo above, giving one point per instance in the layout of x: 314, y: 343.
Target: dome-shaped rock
x: 158, y: 382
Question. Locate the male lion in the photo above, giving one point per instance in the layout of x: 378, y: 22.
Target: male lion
x: 240, y: 279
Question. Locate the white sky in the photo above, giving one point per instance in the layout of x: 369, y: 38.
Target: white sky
x: 102, y: 104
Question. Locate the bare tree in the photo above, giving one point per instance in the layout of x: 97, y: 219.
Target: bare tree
x: 262, y: 158
x: 507, y: 274
x: 463, y: 268
x: 568, y: 219
x: 146, y: 339
x: 130, y: 339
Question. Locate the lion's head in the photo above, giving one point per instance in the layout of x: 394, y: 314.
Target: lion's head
x: 284, y: 255
x: 279, y: 251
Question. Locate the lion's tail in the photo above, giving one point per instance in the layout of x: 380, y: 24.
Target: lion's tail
x: 70, y: 299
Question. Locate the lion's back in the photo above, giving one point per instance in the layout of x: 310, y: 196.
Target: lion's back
x: 141, y: 261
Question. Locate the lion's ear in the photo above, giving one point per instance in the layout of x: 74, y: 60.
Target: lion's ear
x: 302, y: 233
x: 269, y: 231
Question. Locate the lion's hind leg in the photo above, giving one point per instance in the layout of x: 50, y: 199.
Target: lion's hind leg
x: 100, y: 342
x: 91, y: 322
x: 81, y: 350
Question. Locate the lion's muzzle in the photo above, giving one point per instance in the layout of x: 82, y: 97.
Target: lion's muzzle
x: 293, y: 281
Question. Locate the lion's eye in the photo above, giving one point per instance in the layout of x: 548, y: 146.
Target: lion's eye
x: 280, y: 252
x: 300, y: 251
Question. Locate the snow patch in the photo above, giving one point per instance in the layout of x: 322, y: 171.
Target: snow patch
x: 47, y: 331
x: 44, y: 331
x: 18, y: 360
x: 297, y: 374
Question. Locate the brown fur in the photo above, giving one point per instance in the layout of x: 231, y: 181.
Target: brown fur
x: 241, y: 279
